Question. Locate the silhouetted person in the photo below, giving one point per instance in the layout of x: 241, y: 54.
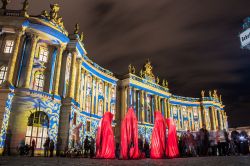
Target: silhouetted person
x: 21, y: 147
x: 146, y: 149
x: 7, y: 143
x: 86, y: 146
x: 58, y: 145
x: 140, y: 144
x: 46, y: 147
x: 204, y: 136
x: 32, y: 148
x: 92, y: 147
x: 117, y: 150
x: 51, y: 147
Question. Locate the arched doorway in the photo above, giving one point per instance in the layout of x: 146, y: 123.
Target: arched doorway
x: 37, y: 128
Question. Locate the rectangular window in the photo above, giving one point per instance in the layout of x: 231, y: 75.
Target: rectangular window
x: 88, y: 126
x: 43, y: 54
x: 8, y: 46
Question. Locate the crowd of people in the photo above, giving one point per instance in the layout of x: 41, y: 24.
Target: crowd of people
x: 215, y: 143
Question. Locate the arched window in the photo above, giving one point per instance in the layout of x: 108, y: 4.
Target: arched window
x: 38, y: 81
x: 3, y: 73
x: 37, y: 128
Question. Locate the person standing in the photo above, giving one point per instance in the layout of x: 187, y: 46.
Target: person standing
x: 33, y: 146
x: 51, y: 147
x: 86, y: 146
x: 204, y: 136
x: 92, y: 147
x: 46, y: 147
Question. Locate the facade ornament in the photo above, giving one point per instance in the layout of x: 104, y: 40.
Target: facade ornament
x: 77, y: 27
x: 157, y: 80
x: 60, y: 22
x: 220, y: 99
x: 210, y: 93
x: 166, y: 84
x: 45, y: 14
x: 163, y: 83
x: 25, y: 8
x: 5, y: 3
x: 215, y: 94
x: 81, y: 36
x: 54, y: 9
x: 141, y: 73
x: 202, y: 93
x: 148, y: 71
x: 133, y: 70
x: 129, y: 68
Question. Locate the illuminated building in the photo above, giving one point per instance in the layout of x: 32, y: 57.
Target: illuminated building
x: 49, y: 86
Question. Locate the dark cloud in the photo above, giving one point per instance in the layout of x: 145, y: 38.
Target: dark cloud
x: 193, y: 44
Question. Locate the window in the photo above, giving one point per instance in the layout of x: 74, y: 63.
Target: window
x: 8, y: 46
x: 38, y: 81
x: 3, y: 73
x: 100, y: 108
x: 88, y: 126
x: 37, y: 128
x: 43, y: 54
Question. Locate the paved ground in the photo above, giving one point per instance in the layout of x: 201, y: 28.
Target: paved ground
x: 198, y: 161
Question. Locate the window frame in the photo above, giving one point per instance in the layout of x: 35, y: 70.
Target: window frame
x: 8, y: 49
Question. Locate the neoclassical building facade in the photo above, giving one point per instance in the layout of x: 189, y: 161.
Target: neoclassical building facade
x: 49, y: 87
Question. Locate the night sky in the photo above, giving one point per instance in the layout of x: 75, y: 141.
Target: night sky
x: 193, y: 44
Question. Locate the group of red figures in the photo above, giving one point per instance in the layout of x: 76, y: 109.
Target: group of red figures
x: 162, y: 145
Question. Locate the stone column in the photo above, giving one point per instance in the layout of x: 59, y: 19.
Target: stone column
x: 165, y: 108
x: 29, y: 67
x: 168, y: 109
x: 105, y: 97
x: 179, y: 117
x: 58, y: 69
x: 142, y: 106
x: 159, y: 104
x: 78, y: 78
x: 156, y: 103
x: 109, y: 96
x: 72, y: 80
x: 96, y: 96
x: 94, y: 80
x: 13, y: 59
x: 200, y: 117
x: 85, y: 91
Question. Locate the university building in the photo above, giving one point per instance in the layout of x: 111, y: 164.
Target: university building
x: 49, y: 86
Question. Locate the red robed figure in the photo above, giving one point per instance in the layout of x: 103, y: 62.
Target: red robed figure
x: 105, y: 142
x: 172, y: 150
x: 158, y: 137
x: 129, y: 136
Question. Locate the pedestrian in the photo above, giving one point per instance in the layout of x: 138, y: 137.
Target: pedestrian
x: 146, y: 149
x: 204, y: 136
x: 117, y: 150
x: 51, y: 147
x: 46, y: 147
x: 86, y: 146
x: 33, y: 146
x: 21, y: 147
x: 92, y: 147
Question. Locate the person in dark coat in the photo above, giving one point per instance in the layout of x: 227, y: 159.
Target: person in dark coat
x: 32, y: 148
x: 204, y: 136
x: 146, y: 149
x: 51, y: 147
x: 86, y: 146
x: 92, y: 147
x: 46, y: 147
